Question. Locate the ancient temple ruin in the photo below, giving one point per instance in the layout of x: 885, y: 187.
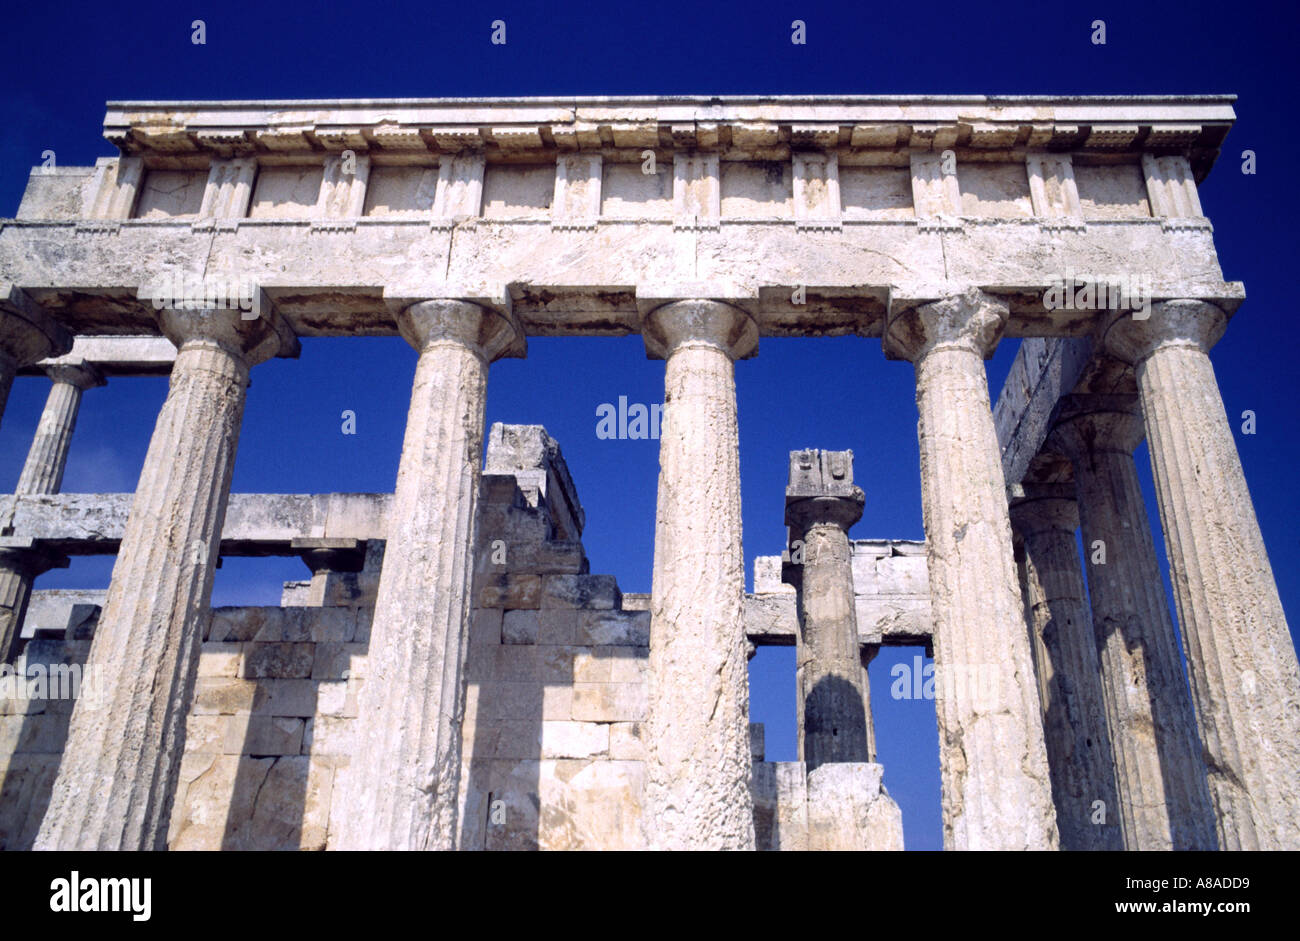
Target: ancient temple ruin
x: 453, y: 675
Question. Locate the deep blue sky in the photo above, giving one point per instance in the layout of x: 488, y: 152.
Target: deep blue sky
x: 64, y: 61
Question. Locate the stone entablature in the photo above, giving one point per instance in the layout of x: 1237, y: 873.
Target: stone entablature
x: 861, y: 206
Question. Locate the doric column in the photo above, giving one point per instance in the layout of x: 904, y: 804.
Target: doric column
x: 1242, y: 664
x: 1069, y: 681
x: 21, y: 561
x: 867, y: 653
x: 27, y: 335
x: 698, y: 762
x: 42, y: 473
x: 48, y: 455
x: 996, y: 786
x: 400, y: 786
x: 821, y: 503
x: 115, y: 786
x: 1159, y: 774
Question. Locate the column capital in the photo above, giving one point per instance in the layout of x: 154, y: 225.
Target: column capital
x: 1039, y: 508
x: 821, y: 490
x: 27, y: 333
x: 1186, y: 323
x: 1088, y: 424
x: 250, y: 336
x: 699, y: 322
x: 79, y: 374
x: 30, y: 556
x: 972, y: 320
x: 330, y: 555
x: 491, y: 332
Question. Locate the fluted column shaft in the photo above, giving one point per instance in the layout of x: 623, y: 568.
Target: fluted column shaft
x: 1242, y: 663
x: 996, y: 785
x: 8, y: 370
x: 1159, y: 774
x: 698, y: 761
x: 42, y: 473
x: 829, y: 665
x: 48, y: 455
x: 1069, y: 682
x: 115, y: 786
x: 400, y: 787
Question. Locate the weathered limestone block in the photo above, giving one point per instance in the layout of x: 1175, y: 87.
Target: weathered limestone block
x: 838, y: 806
x: 698, y: 764
x: 604, y: 627
x: 1069, y: 676
x: 1245, y: 679
x: 235, y: 802
x: 987, y: 700
x: 849, y: 809
x: 1159, y: 772
x: 148, y: 638
x: 401, y: 787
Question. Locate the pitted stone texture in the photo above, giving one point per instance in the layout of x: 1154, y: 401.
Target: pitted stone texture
x: 697, y: 746
x: 996, y: 787
x: 400, y: 789
x: 1245, y: 679
x: 1069, y: 684
x: 118, y: 779
x: 1159, y: 774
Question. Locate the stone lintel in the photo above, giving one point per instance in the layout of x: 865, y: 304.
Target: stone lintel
x: 114, y: 356
x: 255, y: 525
x: 335, y: 305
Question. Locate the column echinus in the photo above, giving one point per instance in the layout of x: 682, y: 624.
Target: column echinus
x: 698, y: 760
x: 400, y: 787
x: 115, y: 786
x: 1159, y: 772
x: 1242, y: 663
x: 42, y: 473
x: 1045, y: 516
x: 993, y: 766
x: 27, y: 335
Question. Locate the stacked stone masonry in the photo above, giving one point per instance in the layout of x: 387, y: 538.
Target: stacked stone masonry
x: 518, y: 701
